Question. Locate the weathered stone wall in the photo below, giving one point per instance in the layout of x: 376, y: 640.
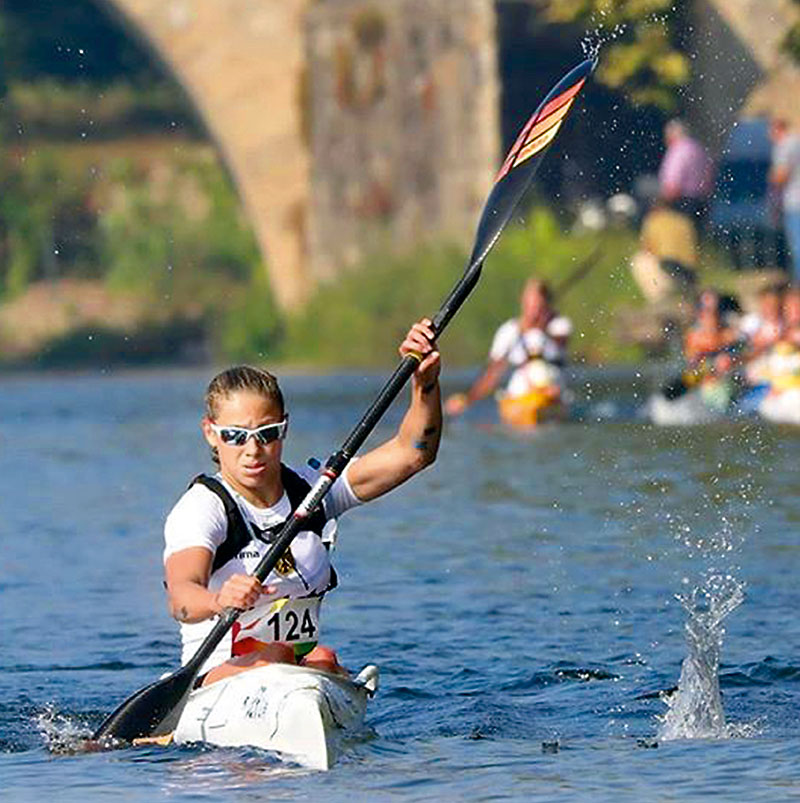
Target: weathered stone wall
x: 242, y: 63
x: 738, y: 69
x: 340, y: 121
x: 403, y: 124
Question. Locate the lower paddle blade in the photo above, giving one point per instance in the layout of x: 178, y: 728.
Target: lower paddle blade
x: 152, y: 711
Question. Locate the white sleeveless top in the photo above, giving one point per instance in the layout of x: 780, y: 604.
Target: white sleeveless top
x: 198, y: 520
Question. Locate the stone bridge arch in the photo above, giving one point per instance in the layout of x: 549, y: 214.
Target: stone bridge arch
x: 324, y: 172
x: 242, y: 64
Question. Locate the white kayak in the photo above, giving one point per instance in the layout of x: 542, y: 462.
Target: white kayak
x: 689, y: 410
x: 304, y: 715
x: 708, y: 402
x: 781, y: 406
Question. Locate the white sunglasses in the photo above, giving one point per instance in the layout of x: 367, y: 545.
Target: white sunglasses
x: 237, y: 436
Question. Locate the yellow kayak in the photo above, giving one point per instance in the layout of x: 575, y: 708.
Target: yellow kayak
x: 532, y: 408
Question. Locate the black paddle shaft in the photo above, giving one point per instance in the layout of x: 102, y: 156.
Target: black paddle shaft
x: 338, y: 461
x: 155, y: 710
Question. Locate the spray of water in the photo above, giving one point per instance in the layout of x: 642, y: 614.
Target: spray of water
x: 695, y: 709
x: 594, y: 39
x: 606, y: 26
x: 61, y: 733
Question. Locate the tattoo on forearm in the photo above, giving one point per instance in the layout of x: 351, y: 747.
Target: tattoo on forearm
x: 428, y: 388
x: 422, y: 444
x: 183, y: 614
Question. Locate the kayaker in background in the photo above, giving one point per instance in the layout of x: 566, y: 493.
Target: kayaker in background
x: 779, y: 367
x: 710, y: 347
x: 762, y: 330
x: 534, y: 345
x: 709, y: 340
x: 223, y: 525
x: 791, y: 315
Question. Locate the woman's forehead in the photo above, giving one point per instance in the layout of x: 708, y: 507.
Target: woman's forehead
x: 247, y: 403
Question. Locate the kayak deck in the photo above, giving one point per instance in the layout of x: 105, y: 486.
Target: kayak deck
x: 302, y: 714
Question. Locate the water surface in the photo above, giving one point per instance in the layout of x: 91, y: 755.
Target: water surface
x: 519, y: 597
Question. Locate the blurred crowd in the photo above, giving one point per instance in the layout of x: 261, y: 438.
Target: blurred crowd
x: 672, y: 229
x: 719, y: 341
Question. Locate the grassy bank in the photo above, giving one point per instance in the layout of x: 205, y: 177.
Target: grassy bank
x: 360, y: 319
x: 202, y: 291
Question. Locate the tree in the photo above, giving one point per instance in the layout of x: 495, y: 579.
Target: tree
x: 642, y: 59
x: 791, y: 42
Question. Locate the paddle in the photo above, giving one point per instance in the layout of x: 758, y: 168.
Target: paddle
x: 155, y: 710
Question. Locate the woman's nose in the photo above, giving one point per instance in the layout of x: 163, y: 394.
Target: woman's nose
x: 251, y: 445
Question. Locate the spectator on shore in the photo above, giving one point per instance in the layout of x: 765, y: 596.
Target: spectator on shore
x: 667, y: 259
x: 686, y: 175
x: 785, y: 175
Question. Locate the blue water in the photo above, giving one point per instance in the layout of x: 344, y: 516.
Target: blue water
x: 519, y: 598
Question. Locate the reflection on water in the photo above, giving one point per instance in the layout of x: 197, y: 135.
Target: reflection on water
x: 215, y: 771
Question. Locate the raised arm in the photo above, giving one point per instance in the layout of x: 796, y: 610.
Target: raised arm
x: 485, y: 384
x: 417, y: 440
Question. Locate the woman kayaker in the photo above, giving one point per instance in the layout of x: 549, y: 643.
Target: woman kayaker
x: 223, y: 525
x: 537, y: 337
x: 708, y: 341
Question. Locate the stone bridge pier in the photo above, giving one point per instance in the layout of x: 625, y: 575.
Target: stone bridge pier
x: 342, y: 122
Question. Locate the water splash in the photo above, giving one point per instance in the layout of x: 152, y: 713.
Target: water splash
x: 594, y: 39
x: 606, y: 26
x: 695, y: 709
x: 62, y: 734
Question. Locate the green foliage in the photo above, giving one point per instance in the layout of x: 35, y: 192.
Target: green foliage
x: 165, y: 342
x: 791, y: 41
x: 362, y: 318
x: 58, y: 108
x: 250, y: 328
x: 43, y: 218
x: 181, y: 240
x: 642, y: 58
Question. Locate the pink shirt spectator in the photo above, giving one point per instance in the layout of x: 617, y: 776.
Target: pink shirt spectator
x: 686, y: 171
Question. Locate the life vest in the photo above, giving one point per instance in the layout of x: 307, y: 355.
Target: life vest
x: 294, y: 620
x: 239, y: 534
